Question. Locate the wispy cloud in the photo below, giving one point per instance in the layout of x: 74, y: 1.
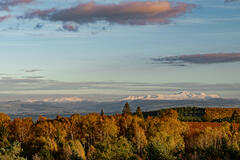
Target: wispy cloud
x: 3, y: 74
x: 32, y: 70
x: 228, y: 1
x: 127, y: 13
x: 210, y: 58
x: 44, y: 85
x: 2, y: 18
x: 5, y: 4
x: 34, y: 77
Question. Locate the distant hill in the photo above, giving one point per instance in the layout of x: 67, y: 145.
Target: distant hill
x: 19, y: 107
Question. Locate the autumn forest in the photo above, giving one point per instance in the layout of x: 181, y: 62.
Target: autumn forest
x: 188, y: 133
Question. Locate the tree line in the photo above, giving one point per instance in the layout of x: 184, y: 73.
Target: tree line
x: 201, y: 114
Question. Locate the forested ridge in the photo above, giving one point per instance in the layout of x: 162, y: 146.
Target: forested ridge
x: 165, y: 136
x: 201, y: 114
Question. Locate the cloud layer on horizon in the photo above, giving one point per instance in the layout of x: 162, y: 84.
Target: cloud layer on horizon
x: 56, y: 100
x: 38, y: 83
x: 178, y: 96
x: 125, y: 13
x: 210, y: 58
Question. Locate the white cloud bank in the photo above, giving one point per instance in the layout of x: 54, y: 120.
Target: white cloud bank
x: 178, y: 96
x: 57, y: 100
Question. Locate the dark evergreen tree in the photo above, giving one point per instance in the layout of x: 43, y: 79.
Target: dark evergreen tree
x: 102, y: 113
x: 139, y: 112
x: 235, y: 116
x: 231, y: 128
x: 127, y: 109
x: 238, y: 126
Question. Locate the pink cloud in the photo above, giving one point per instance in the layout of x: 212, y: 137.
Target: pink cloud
x: 40, y: 13
x: 16, y: 2
x: 70, y: 27
x: 209, y: 58
x: 127, y: 13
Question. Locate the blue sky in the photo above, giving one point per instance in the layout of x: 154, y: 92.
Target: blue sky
x: 109, y: 51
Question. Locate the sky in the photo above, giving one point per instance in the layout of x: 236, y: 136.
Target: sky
x: 106, y: 47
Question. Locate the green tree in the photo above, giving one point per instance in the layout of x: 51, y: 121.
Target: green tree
x: 12, y: 152
x: 157, y: 150
x: 118, y: 149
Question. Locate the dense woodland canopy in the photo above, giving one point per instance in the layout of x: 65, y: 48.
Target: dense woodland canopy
x: 166, y: 136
